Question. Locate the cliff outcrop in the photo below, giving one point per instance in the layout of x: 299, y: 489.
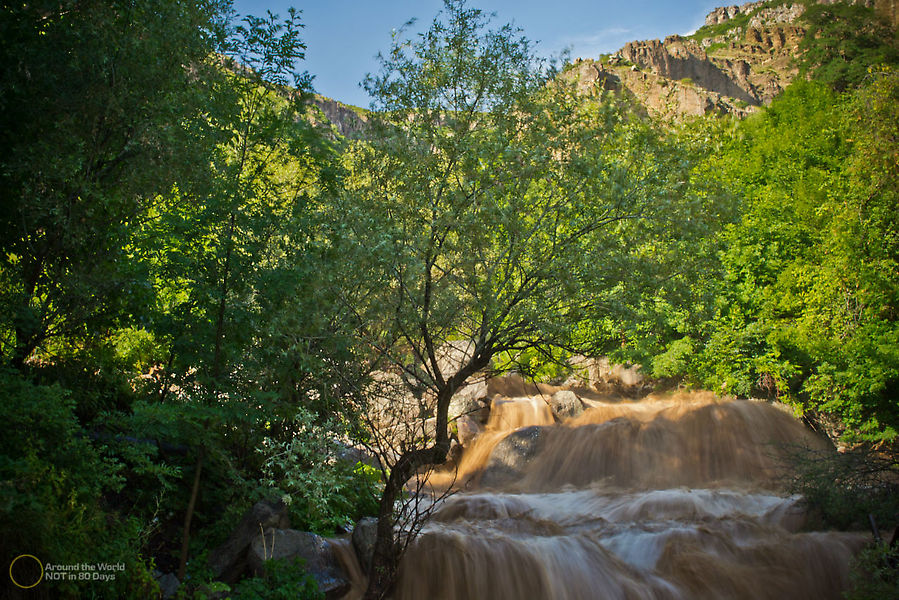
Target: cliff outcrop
x: 349, y: 121
x: 741, y: 59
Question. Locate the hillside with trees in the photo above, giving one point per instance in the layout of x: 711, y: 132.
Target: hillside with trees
x: 213, y: 301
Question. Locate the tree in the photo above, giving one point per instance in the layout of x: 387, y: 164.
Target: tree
x: 102, y: 109
x: 230, y: 262
x: 806, y: 307
x: 159, y: 183
x: 491, y: 208
x: 843, y: 41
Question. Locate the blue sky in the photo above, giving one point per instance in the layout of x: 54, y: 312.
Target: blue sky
x: 344, y: 36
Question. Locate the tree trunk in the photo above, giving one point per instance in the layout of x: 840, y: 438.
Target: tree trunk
x: 386, y: 553
x: 387, y: 556
x: 185, y: 538
x: 220, y: 317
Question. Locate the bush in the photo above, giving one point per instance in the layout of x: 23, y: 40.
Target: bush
x: 283, y: 580
x: 52, y: 481
x: 843, y: 489
x: 875, y: 574
x: 324, y: 491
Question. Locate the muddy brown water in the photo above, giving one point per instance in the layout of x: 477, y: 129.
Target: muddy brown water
x: 672, y: 496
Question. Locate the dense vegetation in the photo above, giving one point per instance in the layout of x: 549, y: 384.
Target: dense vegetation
x: 197, y: 280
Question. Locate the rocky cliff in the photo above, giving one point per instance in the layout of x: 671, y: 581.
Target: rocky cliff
x: 742, y: 58
x: 349, y: 121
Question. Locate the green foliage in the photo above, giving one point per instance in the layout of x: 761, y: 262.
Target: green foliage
x: 283, y: 580
x: 159, y: 271
x: 875, y: 574
x: 542, y: 365
x: 843, y: 489
x: 843, y: 42
x: 92, y: 130
x: 324, y: 490
x: 675, y: 360
x: 54, y: 480
x: 526, y: 209
x: 804, y: 308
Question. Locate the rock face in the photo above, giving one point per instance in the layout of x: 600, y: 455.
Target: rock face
x: 509, y: 458
x: 471, y: 401
x: 565, y: 405
x: 315, y: 551
x: 678, y: 59
x: 229, y: 561
x: 364, y: 535
x: 168, y: 584
x: 733, y: 68
x: 467, y: 429
x: 784, y: 12
x: 349, y: 122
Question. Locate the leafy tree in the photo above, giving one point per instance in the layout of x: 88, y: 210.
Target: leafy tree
x: 492, y: 209
x: 233, y: 263
x: 163, y: 182
x: 843, y: 41
x: 807, y: 309
x: 92, y: 130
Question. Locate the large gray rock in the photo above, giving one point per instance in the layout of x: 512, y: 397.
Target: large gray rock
x: 508, y: 461
x: 364, y: 535
x: 471, y: 401
x: 168, y: 584
x: 565, y: 404
x: 229, y: 561
x: 315, y: 551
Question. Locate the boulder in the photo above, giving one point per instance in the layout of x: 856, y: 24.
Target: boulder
x: 565, y: 404
x: 229, y: 561
x: 364, y: 535
x: 451, y: 356
x: 318, y: 558
x: 467, y: 430
x: 471, y: 401
x: 509, y: 458
x: 601, y: 374
x: 168, y: 584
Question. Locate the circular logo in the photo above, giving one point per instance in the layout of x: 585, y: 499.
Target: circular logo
x: 34, y: 558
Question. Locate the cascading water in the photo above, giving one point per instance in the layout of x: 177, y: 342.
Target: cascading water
x: 670, y: 497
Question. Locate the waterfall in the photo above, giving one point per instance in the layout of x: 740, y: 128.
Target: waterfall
x: 671, y: 496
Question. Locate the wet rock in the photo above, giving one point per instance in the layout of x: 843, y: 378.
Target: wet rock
x: 168, y: 584
x: 509, y: 458
x: 601, y: 374
x: 315, y: 551
x: 364, y: 535
x: 229, y: 561
x: 566, y: 404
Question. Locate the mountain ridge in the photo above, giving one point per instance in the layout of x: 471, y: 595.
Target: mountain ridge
x: 740, y: 59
